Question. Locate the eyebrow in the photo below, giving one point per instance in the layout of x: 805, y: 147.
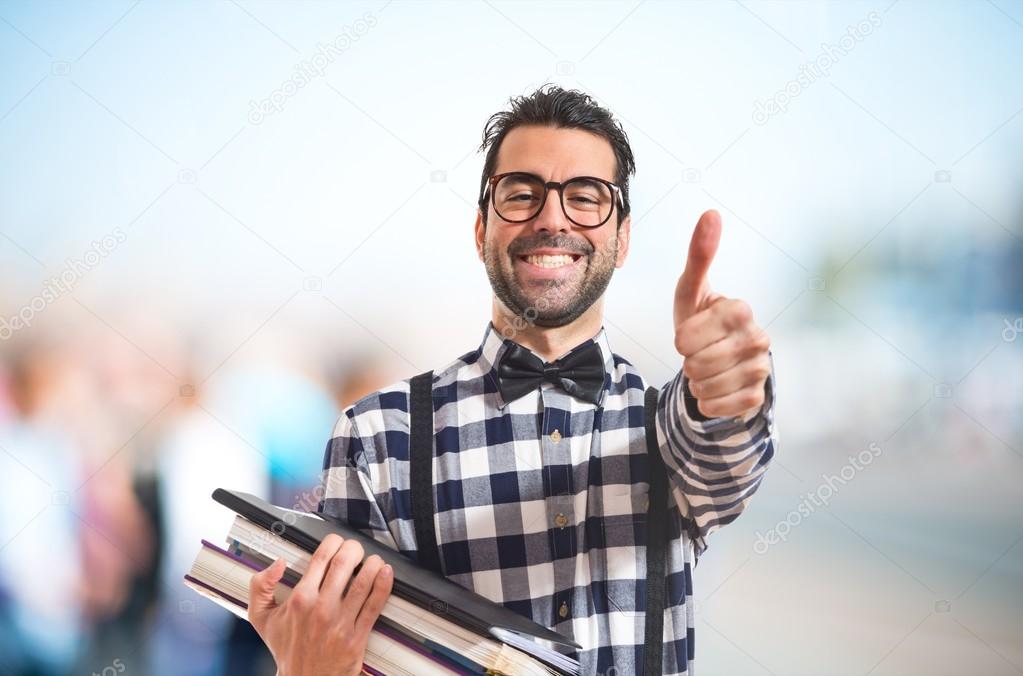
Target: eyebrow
x: 589, y: 180
x: 541, y: 178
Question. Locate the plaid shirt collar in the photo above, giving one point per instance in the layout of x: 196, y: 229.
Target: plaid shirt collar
x: 494, y: 346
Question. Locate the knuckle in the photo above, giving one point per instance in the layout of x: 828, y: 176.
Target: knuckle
x: 684, y: 334
x: 322, y: 613
x: 359, y: 587
x: 696, y: 387
x: 341, y: 642
x: 760, y: 341
x: 691, y: 367
x: 680, y: 343
x: 347, y: 642
x: 303, y: 599
x: 364, y: 579
x: 739, y: 312
x: 751, y: 398
x: 759, y: 370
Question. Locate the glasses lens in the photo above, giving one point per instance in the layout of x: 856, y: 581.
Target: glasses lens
x: 586, y: 202
x: 517, y: 197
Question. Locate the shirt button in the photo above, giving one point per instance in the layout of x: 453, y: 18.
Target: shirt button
x: 560, y: 520
x: 555, y: 436
x: 563, y: 610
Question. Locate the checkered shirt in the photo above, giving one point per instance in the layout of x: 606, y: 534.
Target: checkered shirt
x: 541, y: 502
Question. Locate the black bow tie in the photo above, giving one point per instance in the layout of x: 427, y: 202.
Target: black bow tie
x: 580, y: 372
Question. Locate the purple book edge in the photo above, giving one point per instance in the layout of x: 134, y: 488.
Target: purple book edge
x: 418, y: 647
x: 219, y: 593
x: 240, y: 559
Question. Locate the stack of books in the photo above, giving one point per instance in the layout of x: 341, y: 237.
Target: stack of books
x: 429, y: 625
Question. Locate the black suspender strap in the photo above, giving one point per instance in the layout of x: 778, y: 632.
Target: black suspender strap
x: 421, y: 469
x: 657, y: 536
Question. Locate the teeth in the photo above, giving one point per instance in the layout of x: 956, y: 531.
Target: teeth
x: 549, y: 261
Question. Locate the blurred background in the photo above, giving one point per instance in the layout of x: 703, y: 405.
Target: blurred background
x: 221, y: 222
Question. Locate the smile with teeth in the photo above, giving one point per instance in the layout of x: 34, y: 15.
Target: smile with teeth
x: 550, y: 261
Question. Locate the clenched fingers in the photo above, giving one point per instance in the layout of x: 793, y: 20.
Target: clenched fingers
x: 722, y: 318
x: 344, y: 561
x: 733, y: 405
x: 750, y: 373
x: 360, y: 588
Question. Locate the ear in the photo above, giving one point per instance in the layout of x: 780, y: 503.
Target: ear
x: 624, y: 234
x: 481, y: 234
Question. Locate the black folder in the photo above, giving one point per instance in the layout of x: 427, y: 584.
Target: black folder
x: 417, y: 585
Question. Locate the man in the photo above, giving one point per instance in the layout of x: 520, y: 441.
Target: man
x: 540, y: 468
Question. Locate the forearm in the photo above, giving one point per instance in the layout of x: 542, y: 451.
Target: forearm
x: 716, y: 464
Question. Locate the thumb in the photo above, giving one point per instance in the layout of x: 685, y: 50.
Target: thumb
x: 693, y: 288
x: 261, y: 591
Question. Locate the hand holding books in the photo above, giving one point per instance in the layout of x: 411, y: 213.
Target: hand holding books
x: 428, y: 626
x: 320, y: 628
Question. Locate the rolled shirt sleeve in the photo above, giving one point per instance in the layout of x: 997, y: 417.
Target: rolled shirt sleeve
x: 715, y: 464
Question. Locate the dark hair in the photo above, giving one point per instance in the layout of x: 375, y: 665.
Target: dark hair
x: 552, y: 106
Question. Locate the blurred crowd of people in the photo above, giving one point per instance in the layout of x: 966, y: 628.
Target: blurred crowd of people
x: 108, y: 457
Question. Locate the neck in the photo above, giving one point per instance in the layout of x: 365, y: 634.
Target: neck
x: 550, y: 342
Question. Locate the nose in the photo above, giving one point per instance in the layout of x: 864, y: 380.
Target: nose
x: 552, y: 217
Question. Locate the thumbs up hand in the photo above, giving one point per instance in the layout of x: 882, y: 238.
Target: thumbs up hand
x: 725, y: 353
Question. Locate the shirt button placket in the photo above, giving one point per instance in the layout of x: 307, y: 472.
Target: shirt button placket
x: 557, y: 457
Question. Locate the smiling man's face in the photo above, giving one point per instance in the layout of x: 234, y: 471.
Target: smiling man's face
x: 547, y: 269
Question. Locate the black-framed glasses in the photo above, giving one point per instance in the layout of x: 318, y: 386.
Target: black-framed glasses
x: 587, y: 201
